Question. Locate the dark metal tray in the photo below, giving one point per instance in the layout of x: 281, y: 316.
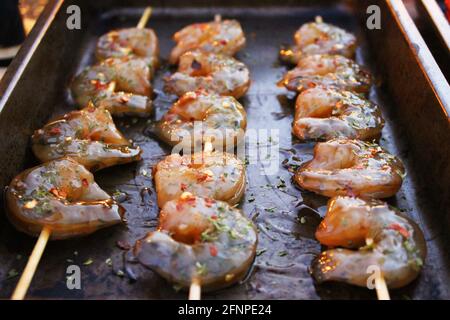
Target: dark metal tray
x: 411, y: 90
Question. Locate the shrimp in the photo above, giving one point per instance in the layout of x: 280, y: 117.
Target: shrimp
x: 130, y: 42
x: 225, y: 37
x: 320, y: 38
x: 88, y: 136
x: 351, y: 167
x: 216, y: 175
x: 60, y: 194
x: 201, y: 116
x: 199, y: 239
x: 326, y: 113
x: 209, y: 71
x: 327, y: 70
x: 120, y: 85
x: 386, y: 238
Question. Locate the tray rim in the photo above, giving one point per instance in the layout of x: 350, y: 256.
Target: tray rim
x: 19, y: 63
x: 422, y: 54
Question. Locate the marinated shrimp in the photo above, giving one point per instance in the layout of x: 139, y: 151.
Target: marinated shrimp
x: 199, y: 239
x: 320, y: 38
x: 383, y: 236
x: 88, y: 136
x: 219, y: 36
x: 209, y: 71
x: 201, y: 116
x: 62, y: 195
x: 130, y: 42
x: 351, y: 167
x: 215, y: 175
x: 327, y: 70
x: 327, y: 113
x: 120, y: 85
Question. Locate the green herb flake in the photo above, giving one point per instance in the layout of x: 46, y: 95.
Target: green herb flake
x: 12, y: 274
x: 260, y: 251
x: 282, y: 253
x: 200, y: 268
x: 120, y: 273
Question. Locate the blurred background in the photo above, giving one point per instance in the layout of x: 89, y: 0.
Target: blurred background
x: 17, y: 18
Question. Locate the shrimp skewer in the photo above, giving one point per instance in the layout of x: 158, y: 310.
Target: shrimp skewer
x: 57, y: 200
x: 326, y: 113
x: 120, y: 85
x: 383, y: 237
x: 211, y: 72
x: 138, y: 43
x: 46, y: 231
x: 120, y: 81
x: 63, y: 195
x: 219, y: 36
x: 200, y: 116
x: 215, y: 175
x: 327, y: 70
x: 319, y: 38
x: 199, y: 240
x: 351, y: 167
x: 88, y: 136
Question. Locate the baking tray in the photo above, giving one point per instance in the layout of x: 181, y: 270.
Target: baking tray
x: 411, y: 91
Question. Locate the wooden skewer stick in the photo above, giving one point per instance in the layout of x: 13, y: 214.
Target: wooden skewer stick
x: 25, y: 279
x: 33, y: 261
x: 144, y: 19
x: 381, y: 288
x: 195, y: 290
x: 380, y: 283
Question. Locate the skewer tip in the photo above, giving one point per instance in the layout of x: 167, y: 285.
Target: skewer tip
x: 144, y: 18
x: 195, y: 290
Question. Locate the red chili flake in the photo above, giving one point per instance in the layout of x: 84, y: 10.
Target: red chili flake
x: 58, y: 193
x: 400, y: 229
x: 54, y: 192
x: 209, y: 202
x: 214, y: 217
x: 311, y: 85
x: 55, y: 130
x: 179, y: 206
x: 85, y: 183
x: 191, y: 201
x: 223, y: 42
x: 98, y: 85
x: 201, y: 177
x: 213, y: 250
x: 183, y: 186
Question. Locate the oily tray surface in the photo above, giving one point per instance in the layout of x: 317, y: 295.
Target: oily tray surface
x: 280, y: 210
